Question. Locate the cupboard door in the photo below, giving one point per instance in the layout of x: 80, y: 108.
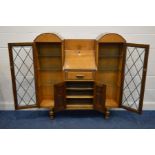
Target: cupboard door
x: 59, y: 97
x: 23, y: 74
x: 99, y: 97
x: 134, y: 76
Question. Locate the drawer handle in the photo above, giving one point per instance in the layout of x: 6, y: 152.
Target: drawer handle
x: 80, y: 76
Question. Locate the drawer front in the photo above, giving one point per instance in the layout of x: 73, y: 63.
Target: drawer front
x: 79, y: 75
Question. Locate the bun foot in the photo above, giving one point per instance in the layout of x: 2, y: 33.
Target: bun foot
x: 107, y: 114
x: 51, y: 114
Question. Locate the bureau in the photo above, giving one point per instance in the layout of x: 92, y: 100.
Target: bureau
x: 78, y: 74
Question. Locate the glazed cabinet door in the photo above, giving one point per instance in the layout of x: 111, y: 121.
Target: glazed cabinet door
x: 134, y: 76
x: 23, y: 71
x: 99, y: 97
x: 59, y: 97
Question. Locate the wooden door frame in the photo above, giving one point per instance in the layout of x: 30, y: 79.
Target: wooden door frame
x: 142, y: 89
x: 10, y: 45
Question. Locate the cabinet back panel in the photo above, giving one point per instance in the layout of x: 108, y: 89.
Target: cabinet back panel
x: 108, y: 64
x: 111, y: 92
x: 49, y: 49
x: 47, y: 81
x: 50, y: 78
x: 50, y: 62
x: 109, y: 49
x: 108, y: 78
x: 46, y: 92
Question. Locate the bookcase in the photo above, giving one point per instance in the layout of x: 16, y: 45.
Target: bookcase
x: 109, y: 71
x: 49, y: 67
x: 78, y: 74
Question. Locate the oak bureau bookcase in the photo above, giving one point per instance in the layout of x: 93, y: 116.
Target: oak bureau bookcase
x: 78, y: 74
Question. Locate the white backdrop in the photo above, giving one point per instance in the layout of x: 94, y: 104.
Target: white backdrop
x: 144, y: 35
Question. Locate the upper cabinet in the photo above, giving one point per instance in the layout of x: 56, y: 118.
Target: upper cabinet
x: 49, y: 57
x: 109, y: 58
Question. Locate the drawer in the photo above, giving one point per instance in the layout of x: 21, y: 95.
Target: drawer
x: 79, y: 75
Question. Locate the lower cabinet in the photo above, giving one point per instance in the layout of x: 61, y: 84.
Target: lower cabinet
x: 80, y: 95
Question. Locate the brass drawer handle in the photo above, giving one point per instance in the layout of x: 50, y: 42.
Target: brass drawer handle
x: 80, y: 76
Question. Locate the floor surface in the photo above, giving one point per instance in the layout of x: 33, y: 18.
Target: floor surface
x: 76, y: 120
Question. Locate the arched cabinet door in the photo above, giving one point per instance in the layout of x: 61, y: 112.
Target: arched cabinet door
x: 134, y: 75
x: 23, y: 70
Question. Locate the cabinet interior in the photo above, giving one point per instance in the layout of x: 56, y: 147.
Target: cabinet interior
x: 49, y: 70
x: 110, y: 70
x: 79, y: 92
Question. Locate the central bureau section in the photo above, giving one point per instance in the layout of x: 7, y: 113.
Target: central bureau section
x: 79, y: 73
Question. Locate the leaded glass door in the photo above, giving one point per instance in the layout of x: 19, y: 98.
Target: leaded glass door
x: 135, y: 67
x: 23, y: 74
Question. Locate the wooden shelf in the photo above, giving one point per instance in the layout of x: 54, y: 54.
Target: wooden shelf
x: 79, y: 107
x: 47, y: 103
x: 79, y: 96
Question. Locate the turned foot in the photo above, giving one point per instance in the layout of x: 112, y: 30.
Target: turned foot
x: 51, y: 114
x: 107, y: 114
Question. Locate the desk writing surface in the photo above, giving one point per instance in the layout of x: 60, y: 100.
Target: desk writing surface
x: 80, y: 59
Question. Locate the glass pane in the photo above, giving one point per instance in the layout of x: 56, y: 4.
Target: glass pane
x: 133, y: 77
x: 24, y: 75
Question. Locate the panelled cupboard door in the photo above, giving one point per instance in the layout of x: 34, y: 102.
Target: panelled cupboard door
x: 99, y: 97
x: 23, y: 74
x: 59, y: 97
x: 134, y: 76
